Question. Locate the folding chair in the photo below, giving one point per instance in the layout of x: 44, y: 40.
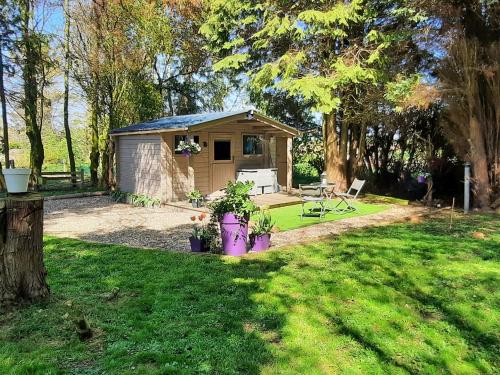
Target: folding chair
x: 312, y: 194
x: 329, y: 194
x: 349, y: 196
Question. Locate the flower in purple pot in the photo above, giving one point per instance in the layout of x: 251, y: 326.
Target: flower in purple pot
x: 260, y: 239
x: 199, y: 236
x: 260, y: 242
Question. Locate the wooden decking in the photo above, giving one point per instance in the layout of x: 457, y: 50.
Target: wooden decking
x: 276, y: 200
x: 268, y: 200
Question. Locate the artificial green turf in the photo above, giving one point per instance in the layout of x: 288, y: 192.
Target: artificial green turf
x: 398, y: 299
x: 289, y: 217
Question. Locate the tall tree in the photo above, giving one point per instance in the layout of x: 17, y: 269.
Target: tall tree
x: 30, y: 60
x: 6, y: 33
x: 468, y: 69
x: 67, y: 67
x: 137, y: 60
x: 327, y: 52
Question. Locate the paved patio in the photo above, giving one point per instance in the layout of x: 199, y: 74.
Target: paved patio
x: 100, y: 219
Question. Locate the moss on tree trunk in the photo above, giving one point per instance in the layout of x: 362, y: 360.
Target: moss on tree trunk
x: 22, y: 271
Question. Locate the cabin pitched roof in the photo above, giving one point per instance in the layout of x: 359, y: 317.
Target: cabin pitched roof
x: 185, y: 122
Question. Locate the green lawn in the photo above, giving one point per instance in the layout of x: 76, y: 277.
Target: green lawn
x: 398, y: 299
x: 289, y: 217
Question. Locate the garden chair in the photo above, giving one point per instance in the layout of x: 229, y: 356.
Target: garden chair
x: 347, y: 197
x: 312, y: 194
x: 329, y: 194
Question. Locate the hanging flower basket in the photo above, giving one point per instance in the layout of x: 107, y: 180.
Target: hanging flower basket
x: 188, y: 148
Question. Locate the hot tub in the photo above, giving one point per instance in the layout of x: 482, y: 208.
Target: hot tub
x: 265, y: 179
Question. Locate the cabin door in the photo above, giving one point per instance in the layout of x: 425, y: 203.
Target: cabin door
x: 221, y: 160
x: 281, y: 160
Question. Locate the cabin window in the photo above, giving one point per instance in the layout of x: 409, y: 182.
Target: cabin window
x: 222, y: 150
x: 252, y: 145
x: 183, y: 138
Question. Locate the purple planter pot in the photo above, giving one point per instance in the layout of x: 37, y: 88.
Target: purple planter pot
x: 197, y: 245
x: 234, y: 234
x: 261, y: 242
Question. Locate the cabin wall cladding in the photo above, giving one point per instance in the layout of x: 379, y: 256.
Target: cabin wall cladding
x: 148, y: 164
x: 139, y: 165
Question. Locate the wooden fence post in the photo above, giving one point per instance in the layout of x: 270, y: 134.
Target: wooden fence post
x: 22, y: 271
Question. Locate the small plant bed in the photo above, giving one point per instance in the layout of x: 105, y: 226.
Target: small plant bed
x: 289, y: 217
x: 400, y: 299
x: 135, y: 199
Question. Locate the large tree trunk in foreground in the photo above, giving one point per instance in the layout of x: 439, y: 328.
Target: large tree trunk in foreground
x: 22, y: 272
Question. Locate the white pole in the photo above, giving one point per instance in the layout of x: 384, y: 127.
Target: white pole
x: 466, y: 187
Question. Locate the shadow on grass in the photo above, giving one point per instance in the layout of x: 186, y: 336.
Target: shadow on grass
x: 395, y: 299
x: 173, y: 313
x: 419, y: 298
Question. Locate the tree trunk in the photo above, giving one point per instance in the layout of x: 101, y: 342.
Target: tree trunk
x: 94, y: 152
x: 31, y: 59
x: 22, y: 272
x: 67, y: 66
x: 333, y: 165
x: 479, y: 165
x: 344, y: 141
x: 4, y: 111
x: 111, y: 162
x: 105, y: 165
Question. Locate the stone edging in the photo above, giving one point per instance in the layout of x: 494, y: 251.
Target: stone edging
x: 77, y: 195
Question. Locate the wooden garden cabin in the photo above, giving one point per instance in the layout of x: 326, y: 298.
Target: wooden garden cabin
x: 147, y: 162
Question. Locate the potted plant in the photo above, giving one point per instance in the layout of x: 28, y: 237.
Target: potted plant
x: 198, y: 239
x: 195, y: 197
x: 233, y: 212
x: 260, y: 238
x: 16, y: 179
x: 188, y: 148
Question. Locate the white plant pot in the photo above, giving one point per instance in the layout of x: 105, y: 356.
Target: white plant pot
x: 17, y: 179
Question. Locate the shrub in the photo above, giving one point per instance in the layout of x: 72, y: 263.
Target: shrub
x: 137, y: 200
x: 237, y: 201
x: 194, y: 195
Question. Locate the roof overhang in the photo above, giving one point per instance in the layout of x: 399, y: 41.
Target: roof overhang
x: 156, y: 131
x: 250, y: 117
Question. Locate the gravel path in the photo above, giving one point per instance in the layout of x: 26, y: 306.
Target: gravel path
x: 100, y: 219
x: 329, y: 228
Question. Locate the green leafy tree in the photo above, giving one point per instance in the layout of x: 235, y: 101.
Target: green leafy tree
x: 328, y: 53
